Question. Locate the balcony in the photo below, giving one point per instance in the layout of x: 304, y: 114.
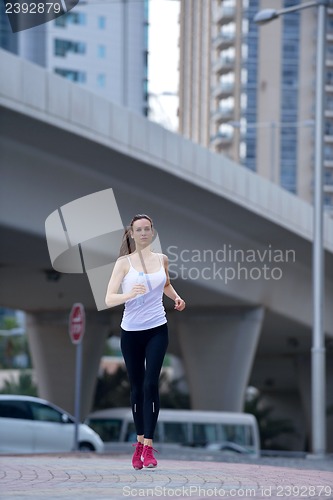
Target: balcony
x: 223, y: 115
x: 329, y: 50
x: 328, y: 160
x: 329, y: 112
x: 328, y: 139
x: 223, y: 90
x: 223, y: 41
x: 224, y: 15
x: 328, y: 188
x: 224, y: 65
x: 221, y: 141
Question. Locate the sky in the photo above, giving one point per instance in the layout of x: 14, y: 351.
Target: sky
x: 164, y: 59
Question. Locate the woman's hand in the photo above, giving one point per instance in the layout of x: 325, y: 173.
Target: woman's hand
x: 179, y: 304
x: 137, y: 289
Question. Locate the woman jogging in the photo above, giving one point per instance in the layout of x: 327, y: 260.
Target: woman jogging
x: 143, y: 276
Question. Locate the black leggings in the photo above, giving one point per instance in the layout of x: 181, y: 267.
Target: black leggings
x: 143, y: 353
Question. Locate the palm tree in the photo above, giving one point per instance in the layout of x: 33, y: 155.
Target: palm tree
x: 269, y: 428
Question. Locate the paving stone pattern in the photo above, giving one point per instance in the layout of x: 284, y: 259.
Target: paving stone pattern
x: 89, y: 476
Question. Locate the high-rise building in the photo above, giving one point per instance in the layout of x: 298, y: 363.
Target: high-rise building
x: 102, y: 46
x: 249, y: 92
x: 8, y: 40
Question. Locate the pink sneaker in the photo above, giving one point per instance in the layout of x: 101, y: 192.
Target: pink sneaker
x: 136, y: 459
x: 148, y: 457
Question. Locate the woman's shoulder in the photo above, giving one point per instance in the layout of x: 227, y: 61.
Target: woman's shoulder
x: 122, y: 258
x: 122, y: 262
x: 163, y: 257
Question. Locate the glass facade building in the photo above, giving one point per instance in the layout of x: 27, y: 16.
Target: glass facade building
x: 250, y: 70
x: 260, y: 90
x: 100, y: 46
x: 289, y: 97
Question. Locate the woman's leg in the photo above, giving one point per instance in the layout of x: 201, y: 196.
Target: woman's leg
x: 133, y: 351
x: 155, y: 351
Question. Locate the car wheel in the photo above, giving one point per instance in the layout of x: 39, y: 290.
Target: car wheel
x: 86, y: 447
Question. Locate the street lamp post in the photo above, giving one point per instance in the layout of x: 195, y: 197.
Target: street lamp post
x: 318, y: 341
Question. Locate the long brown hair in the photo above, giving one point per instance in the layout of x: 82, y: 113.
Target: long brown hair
x: 127, y: 245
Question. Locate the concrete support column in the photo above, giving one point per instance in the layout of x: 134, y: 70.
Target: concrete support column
x: 218, y: 349
x: 53, y: 356
x: 329, y: 384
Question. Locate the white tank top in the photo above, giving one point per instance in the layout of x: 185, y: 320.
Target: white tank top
x: 147, y: 310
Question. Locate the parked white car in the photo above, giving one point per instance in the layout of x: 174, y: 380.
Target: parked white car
x: 33, y: 425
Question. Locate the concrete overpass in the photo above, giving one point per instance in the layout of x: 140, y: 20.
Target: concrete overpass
x: 59, y: 143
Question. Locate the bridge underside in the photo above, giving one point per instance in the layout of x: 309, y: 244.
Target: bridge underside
x: 44, y: 167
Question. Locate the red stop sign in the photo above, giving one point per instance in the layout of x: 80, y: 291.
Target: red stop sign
x: 77, y: 322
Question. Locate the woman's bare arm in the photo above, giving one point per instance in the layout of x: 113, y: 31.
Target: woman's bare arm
x: 113, y: 297
x: 169, y: 290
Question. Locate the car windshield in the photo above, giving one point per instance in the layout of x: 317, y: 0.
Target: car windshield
x: 109, y: 430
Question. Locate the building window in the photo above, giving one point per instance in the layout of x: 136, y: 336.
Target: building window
x: 72, y: 75
x: 328, y: 177
x: 328, y: 153
x: 329, y: 77
x: 328, y: 127
x: 101, y: 80
x: 288, y: 178
x: 60, y: 21
x: 328, y: 201
x: 145, y: 58
x: 329, y: 25
x: 78, y: 18
x: 101, y: 22
x: 101, y: 51
x: 61, y: 47
x: 329, y: 51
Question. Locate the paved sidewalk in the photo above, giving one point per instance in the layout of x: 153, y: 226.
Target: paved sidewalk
x: 89, y: 476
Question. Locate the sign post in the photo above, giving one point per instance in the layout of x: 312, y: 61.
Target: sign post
x: 77, y: 322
